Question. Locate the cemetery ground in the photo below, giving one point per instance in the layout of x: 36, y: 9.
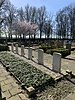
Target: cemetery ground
x: 58, y: 91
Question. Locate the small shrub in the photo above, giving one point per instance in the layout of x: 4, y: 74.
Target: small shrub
x: 64, y: 52
x: 56, y: 44
x: 45, y: 48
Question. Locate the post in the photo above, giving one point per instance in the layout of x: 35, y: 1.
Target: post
x: 30, y: 53
x: 12, y: 47
x: 22, y: 50
x: 40, y: 56
x: 57, y: 62
x: 16, y: 48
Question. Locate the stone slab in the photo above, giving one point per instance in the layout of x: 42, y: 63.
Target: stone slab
x: 15, y: 98
x: 6, y: 87
x: 7, y: 94
x: 15, y: 91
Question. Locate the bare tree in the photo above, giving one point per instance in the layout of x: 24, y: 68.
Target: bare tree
x: 2, y: 2
x: 10, y: 17
x: 41, y: 13
x: 65, y: 20
x: 20, y: 15
x: 61, y: 24
x: 48, y: 27
x: 27, y: 15
x: 33, y: 14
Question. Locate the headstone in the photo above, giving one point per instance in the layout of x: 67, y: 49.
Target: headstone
x: 12, y: 47
x: 40, y: 56
x: 16, y: 48
x: 30, y: 53
x: 57, y: 62
x: 68, y: 46
x: 22, y: 50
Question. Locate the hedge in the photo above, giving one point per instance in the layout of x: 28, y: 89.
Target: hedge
x: 3, y: 47
x: 45, y: 48
x: 64, y: 52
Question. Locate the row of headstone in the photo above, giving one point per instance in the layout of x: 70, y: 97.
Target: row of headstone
x: 56, y: 60
x: 22, y: 50
x: 56, y: 57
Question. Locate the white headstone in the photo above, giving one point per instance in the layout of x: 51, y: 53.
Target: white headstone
x: 12, y: 47
x: 57, y: 62
x: 16, y: 48
x: 40, y: 56
x: 22, y: 50
x: 30, y: 53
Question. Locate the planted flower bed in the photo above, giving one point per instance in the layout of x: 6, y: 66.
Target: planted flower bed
x: 26, y: 73
x: 57, y: 92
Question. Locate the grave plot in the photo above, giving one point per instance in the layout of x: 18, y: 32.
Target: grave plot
x: 27, y: 74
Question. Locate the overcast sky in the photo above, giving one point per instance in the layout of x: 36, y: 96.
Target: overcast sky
x: 51, y: 5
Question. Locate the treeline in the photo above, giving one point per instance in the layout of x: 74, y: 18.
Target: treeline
x: 62, y: 27
x: 65, y: 22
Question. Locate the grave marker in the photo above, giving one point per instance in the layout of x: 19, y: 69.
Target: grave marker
x: 40, y: 56
x: 57, y: 62
x: 22, y: 50
x: 30, y: 53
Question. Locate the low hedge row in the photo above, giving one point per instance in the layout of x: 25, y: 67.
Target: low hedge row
x: 48, y: 49
x: 64, y: 52
x: 3, y: 47
x: 26, y: 73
